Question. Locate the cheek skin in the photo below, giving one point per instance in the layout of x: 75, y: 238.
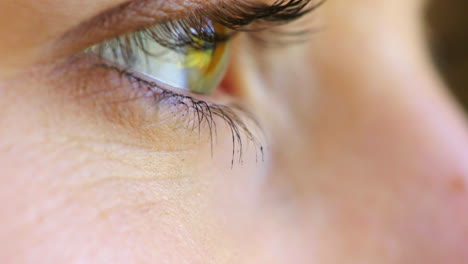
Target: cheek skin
x: 373, y: 145
x: 80, y: 202
x: 103, y: 190
x: 368, y: 163
x: 81, y: 195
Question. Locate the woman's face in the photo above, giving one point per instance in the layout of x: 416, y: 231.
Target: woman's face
x: 342, y: 148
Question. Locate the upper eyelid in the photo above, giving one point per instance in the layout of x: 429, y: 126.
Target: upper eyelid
x: 125, y: 18
x: 139, y: 14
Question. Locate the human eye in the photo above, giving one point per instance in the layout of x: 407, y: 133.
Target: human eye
x: 176, y: 64
x: 184, y: 54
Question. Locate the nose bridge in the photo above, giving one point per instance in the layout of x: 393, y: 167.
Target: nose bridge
x: 362, y: 96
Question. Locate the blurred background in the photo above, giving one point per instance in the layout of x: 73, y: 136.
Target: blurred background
x: 448, y: 34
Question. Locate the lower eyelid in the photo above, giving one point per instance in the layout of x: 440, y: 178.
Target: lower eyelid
x: 129, y: 100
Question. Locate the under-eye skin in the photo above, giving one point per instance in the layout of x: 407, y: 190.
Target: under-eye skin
x: 177, y: 59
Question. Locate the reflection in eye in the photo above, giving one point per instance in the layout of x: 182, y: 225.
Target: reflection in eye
x: 191, y: 58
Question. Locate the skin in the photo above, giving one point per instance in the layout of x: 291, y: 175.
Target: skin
x: 367, y: 157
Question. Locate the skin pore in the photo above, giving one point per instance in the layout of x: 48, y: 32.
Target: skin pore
x: 365, y: 151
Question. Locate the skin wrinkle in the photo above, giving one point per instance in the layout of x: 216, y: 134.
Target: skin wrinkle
x: 77, y: 144
x: 146, y: 187
x: 106, y: 150
x: 85, y: 188
x: 143, y: 198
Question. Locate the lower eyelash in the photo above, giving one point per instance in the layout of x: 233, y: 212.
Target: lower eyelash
x: 198, y: 113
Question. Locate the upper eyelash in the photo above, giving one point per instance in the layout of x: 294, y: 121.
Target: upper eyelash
x: 255, y: 16
x: 193, y: 29
x: 175, y: 35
